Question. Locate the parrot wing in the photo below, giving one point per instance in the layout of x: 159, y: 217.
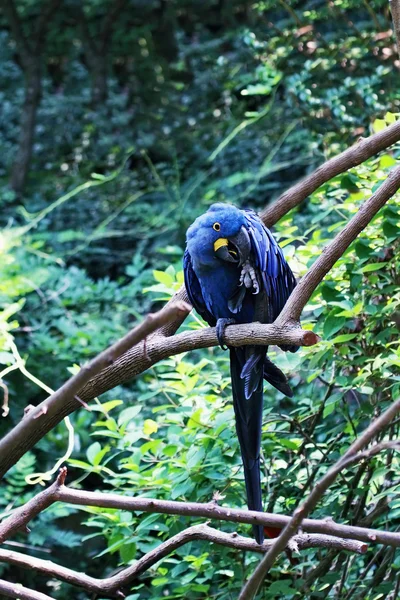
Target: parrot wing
x: 276, y: 276
x: 194, y: 292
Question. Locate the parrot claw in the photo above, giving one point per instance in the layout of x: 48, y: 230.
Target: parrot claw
x: 248, y: 277
x: 222, y: 324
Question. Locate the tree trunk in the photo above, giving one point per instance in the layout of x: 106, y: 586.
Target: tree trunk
x: 33, y: 92
x: 99, y: 81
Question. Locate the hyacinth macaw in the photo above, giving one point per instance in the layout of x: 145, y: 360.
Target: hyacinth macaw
x: 235, y: 272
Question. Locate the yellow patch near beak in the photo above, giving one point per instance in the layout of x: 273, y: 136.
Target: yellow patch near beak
x: 219, y: 243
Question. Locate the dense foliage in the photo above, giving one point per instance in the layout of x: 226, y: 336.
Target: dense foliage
x: 186, y: 105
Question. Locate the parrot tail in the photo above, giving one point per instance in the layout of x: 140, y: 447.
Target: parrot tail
x: 254, y: 497
x: 247, y: 370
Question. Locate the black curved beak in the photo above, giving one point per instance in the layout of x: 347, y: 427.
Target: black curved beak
x: 235, y: 249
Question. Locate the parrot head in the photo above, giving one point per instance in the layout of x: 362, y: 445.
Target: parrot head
x: 219, y: 234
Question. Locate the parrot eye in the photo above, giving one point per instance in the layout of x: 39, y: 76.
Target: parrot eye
x: 217, y: 227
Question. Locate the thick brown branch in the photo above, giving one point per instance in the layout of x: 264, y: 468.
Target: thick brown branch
x: 18, y: 591
x: 160, y: 347
x: 111, y: 586
x: 353, y: 156
x: 333, y: 251
x: 52, y: 410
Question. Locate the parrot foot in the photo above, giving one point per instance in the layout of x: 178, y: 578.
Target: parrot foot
x: 222, y: 324
x: 248, y: 277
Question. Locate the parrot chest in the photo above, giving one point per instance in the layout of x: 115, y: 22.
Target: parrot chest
x: 218, y: 285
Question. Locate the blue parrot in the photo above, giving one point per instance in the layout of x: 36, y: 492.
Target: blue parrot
x: 235, y: 272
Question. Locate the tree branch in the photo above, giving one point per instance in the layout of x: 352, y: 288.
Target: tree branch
x: 353, y: 156
x: 109, y: 22
x: 25, y: 513
x: 333, y: 251
x: 18, y: 591
x: 58, y: 492
x: 30, y: 429
x: 112, y: 586
x: 160, y: 347
x: 213, y: 511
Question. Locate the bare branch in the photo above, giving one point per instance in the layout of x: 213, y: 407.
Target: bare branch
x: 97, y: 44
x: 25, y: 513
x: 31, y: 428
x: 333, y: 251
x: 59, y: 492
x: 27, y: 47
x: 353, y: 156
x: 212, y: 511
x: 111, y: 586
x: 18, y: 591
x: 160, y: 347
x: 89, y: 41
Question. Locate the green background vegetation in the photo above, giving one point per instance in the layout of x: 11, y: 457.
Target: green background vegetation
x: 189, y: 103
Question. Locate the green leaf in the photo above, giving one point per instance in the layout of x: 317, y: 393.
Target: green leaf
x: 92, y: 452
x: 128, y: 414
x: 284, y: 586
x: 127, y: 552
x: 163, y: 277
x: 332, y: 324
x: 107, y: 406
x: 372, y: 267
x: 379, y: 125
x: 346, y: 337
x: 149, y: 427
x: 195, y: 456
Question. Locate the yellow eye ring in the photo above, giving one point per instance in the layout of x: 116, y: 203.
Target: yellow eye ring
x: 217, y: 227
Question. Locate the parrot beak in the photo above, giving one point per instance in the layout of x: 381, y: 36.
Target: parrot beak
x: 221, y: 250
x: 236, y: 249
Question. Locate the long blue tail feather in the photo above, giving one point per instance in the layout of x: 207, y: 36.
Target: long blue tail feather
x: 248, y: 413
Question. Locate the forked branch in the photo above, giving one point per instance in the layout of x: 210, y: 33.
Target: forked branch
x: 113, y: 586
